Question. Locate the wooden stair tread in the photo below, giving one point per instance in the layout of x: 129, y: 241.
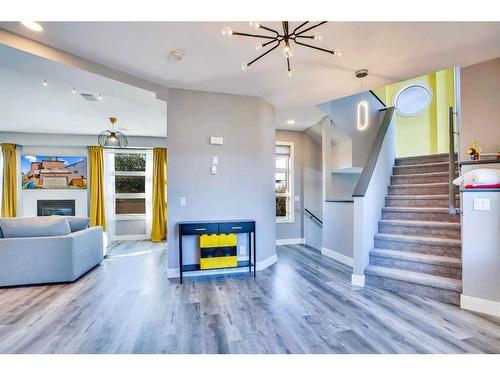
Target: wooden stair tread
x: 409, y: 166
x: 420, y: 197
x: 415, y: 278
x: 418, y: 239
x: 417, y: 209
x: 418, y: 257
x: 421, y: 224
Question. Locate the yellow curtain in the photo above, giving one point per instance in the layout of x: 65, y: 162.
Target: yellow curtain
x: 97, y: 195
x: 9, y: 188
x: 159, y: 228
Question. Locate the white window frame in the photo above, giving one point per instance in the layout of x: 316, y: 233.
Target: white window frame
x: 111, y: 174
x: 291, y: 214
x: 421, y: 84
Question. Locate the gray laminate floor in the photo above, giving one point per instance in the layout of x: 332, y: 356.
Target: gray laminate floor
x: 302, y: 304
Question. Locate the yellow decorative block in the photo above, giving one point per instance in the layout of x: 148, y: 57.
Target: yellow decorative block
x: 218, y: 240
x: 218, y: 262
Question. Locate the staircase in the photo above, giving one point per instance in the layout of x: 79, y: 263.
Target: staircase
x: 418, y: 247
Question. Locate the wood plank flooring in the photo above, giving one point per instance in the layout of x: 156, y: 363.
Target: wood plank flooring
x: 303, y: 304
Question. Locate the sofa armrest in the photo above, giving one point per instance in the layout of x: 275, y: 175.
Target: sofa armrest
x: 87, y: 249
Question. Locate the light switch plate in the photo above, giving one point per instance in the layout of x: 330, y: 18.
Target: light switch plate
x: 215, y: 160
x: 297, y: 198
x: 214, y: 169
x: 481, y: 204
x: 216, y: 140
x: 183, y: 201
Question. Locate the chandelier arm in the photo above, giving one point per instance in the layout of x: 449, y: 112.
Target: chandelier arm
x: 304, y: 36
x: 265, y: 53
x: 299, y: 27
x: 288, y: 64
x: 311, y: 27
x: 271, y: 41
x: 268, y: 29
x: 314, y: 47
x: 254, y: 35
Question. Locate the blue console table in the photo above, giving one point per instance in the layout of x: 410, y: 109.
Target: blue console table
x: 196, y: 228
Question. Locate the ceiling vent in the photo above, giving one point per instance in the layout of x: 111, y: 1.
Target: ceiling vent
x: 89, y: 97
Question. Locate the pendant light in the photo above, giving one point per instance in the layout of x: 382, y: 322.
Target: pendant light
x: 113, y: 138
x: 362, y: 109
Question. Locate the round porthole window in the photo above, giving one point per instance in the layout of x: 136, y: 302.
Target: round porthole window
x: 412, y: 99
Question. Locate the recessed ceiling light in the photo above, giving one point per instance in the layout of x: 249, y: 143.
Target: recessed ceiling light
x: 73, y: 90
x: 45, y: 83
x: 291, y: 121
x: 176, y: 55
x: 32, y: 25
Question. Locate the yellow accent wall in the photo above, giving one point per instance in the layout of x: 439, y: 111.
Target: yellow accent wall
x: 427, y: 132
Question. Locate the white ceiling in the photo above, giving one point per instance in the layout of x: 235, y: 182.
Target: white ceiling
x: 28, y: 106
x: 391, y: 51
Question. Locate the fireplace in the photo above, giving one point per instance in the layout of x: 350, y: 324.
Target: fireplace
x: 63, y: 207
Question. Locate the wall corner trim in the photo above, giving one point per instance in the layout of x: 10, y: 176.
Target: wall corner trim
x: 358, y: 280
x: 480, y: 305
x: 348, y: 261
x: 291, y: 241
x: 173, y: 273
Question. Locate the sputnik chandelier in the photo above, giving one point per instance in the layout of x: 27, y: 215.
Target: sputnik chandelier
x: 271, y: 42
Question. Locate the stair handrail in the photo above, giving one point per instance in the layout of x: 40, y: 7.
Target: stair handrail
x: 452, y: 209
x: 314, y: 217
x: 366, y: 173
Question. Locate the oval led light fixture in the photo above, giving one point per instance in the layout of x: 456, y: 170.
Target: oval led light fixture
x: 32, y: 25
x: 362, y: 121
x: 291, y: 121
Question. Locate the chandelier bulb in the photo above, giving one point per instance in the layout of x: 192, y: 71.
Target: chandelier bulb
x: 227, y: 31
x: 244, y: 66
x: 254, y: 24
x: 337, y: 53
x: 287, y: 51
x: 318, y: 37
x: 289, y: 74
x: 258, y: 47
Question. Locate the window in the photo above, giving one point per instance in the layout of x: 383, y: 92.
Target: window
x: 130, y: 184
x: 412, y: 99
x: 283, y: 182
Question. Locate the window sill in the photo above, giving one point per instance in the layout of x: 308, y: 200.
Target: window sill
x: 285, y: 221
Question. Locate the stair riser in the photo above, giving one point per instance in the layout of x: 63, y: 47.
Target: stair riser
x: 443, y: 295
x: 449, y: 251
x: 421, y: 169
x: 427, y: 190
x: 423, y: 160
x: 420, y: 231
x: 430, y: 269
x: 420, y: 216
x: 422, y: 179
x: 391, y: 202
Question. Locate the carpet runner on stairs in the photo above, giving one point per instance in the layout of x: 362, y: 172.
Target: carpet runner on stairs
x: 418, y: 247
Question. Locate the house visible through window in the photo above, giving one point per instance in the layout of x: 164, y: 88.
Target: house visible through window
x: 283, y: 182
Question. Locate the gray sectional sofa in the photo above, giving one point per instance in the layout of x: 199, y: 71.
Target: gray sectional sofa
x: 48, y: 249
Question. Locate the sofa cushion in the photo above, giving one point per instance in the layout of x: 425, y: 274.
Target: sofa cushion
x: 77, y: 223
x: 43, y: 226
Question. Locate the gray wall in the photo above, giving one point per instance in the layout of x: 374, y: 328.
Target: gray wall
x: 480, y: 247
x: 343, y: 112
x: 294, y: 229
x: 480, y: 109
x: 312, y: 187
x: 243, y: 186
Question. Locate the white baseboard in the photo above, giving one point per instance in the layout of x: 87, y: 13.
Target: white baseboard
x: 291, y: 241
x: 173, y: 273
x: 348, y: 261
x: 480, y: 305
x: 358, y: 280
